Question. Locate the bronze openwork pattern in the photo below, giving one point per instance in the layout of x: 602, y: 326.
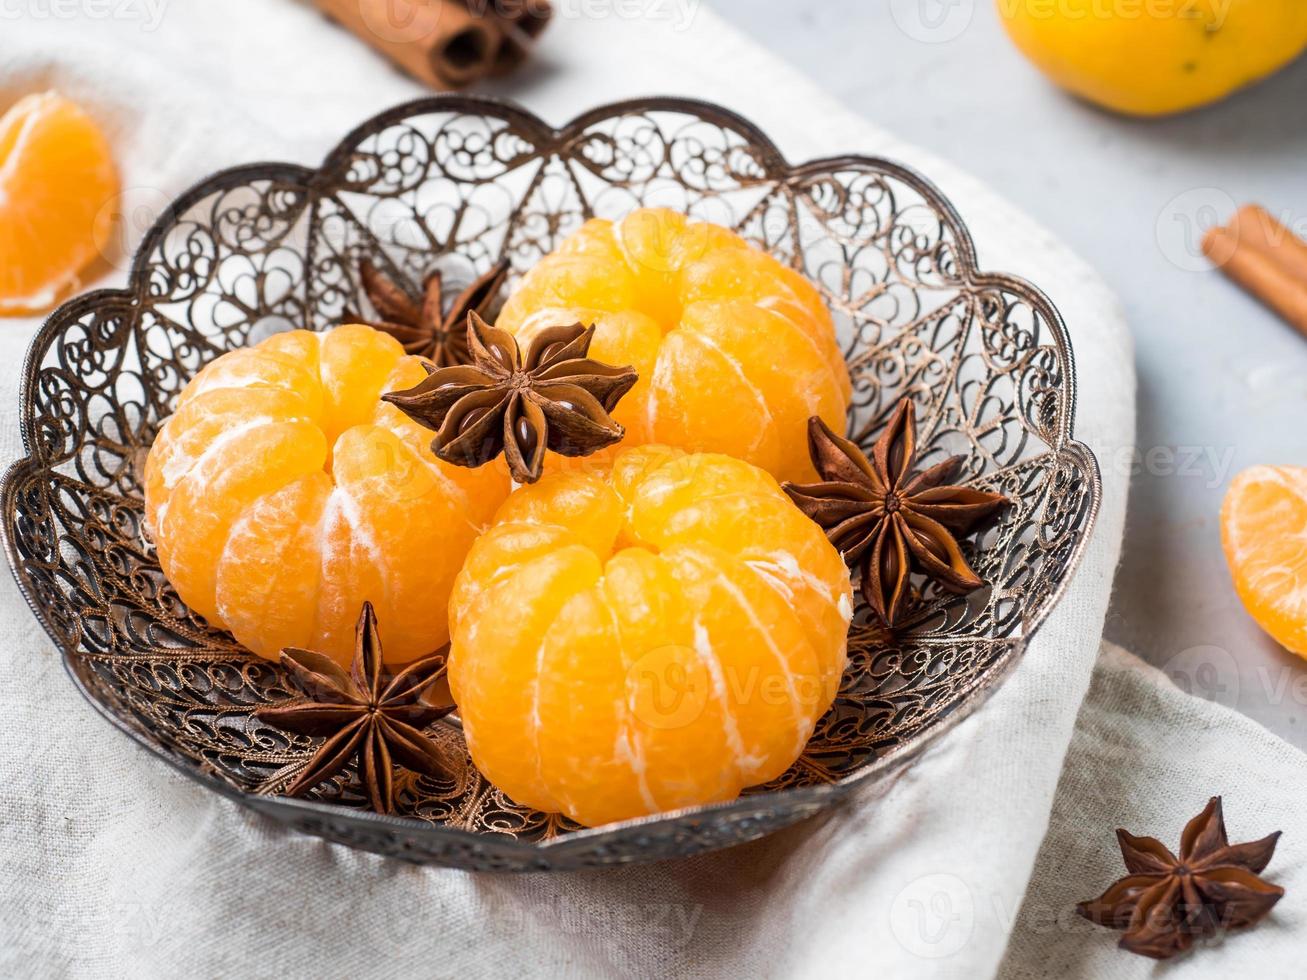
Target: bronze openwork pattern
x: 456, y: 183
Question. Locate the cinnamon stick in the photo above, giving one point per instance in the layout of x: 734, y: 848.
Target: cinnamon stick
x: 449, y: 44
x: 521, y: 22
x: 1261, y: 272
x: 1256, y: 226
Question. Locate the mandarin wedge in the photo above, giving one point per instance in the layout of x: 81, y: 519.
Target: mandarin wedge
x: 282, y: 494
x: 735, y: 351
x: 1264, y: 532
x: 654, y: 636
x: 57, y: 178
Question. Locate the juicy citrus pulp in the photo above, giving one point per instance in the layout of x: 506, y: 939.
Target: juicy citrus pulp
x: 282, y: 493
x: 657, y: 636
x: 57, y: 179
x: 1264, y: 532
x: 735, y: 351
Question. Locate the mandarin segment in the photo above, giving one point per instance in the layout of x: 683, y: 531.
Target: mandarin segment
x: 1264, y: 534
x: 735, y: 350
x: 629, y: 472
x: 692, y: 368
x: 355, y: 362
x: 237, y: 469
x: 673, y: 717
x: 802, y: 573
x: 761, y: 666
x: 576, y: 751
x: 282, y: 494
x: 57, y: 182
x: 788, y: 377
x: 570, y: 281
x: 583, y: 502
x: 255, y: 371
x: 502, y: 628
x: 271, y: 596
x: 660, y: 635
x: 750, y: 276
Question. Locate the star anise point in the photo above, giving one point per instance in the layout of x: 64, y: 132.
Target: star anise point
x: 361, y: 715
x: 888, y: 520
x: 554, y: 398
x: 1168, y: 901
x: 423, y: 325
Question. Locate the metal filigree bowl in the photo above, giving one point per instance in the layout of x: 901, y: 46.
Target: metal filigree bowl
x: 455, y: 183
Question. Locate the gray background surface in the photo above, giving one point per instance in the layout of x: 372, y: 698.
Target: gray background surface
x: 1222, y: 383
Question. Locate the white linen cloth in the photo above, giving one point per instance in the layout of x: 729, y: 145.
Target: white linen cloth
x: 112, y: 865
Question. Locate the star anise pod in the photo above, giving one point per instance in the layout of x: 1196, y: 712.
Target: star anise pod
x: 1166, y: 902
x: 362, y: 716
x: 887, y: 518
x: 555, y: 398
x: 426, y: 328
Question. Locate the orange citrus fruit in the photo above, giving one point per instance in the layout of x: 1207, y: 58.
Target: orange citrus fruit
x: 1264, y: 532
x: 1154, y: 57
x: 735, y: 350
x: 56, y: 179
x: 282, y: 493
x: 656, y: 636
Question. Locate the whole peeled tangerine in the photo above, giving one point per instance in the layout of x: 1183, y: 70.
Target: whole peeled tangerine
x: 657, y: 636
x: 282, y: 494
x: 735, y: 351
x: 1153, y: 57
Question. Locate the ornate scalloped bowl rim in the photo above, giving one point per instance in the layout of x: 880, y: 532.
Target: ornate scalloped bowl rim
x: 812, y: 798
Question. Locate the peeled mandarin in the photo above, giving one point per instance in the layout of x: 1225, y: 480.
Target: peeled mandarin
x: 283, y: 493
x: 657, y: 635
x: 735, y: 351
x: 1264, y: 532
x: 57, y: 178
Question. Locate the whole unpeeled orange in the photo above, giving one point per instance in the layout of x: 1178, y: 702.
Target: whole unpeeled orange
x: 282, y: 493
x: 1153, y: 57
x: 1264, y: 531
x: 657, y: 636
x: 57, y: 180
x: 735, y: 351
